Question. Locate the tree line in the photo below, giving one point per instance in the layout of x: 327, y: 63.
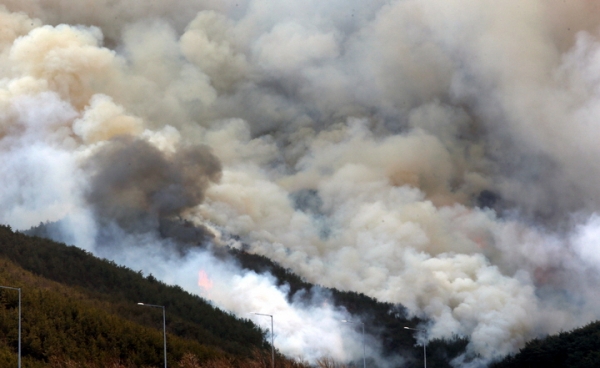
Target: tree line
x: 115, y: 290
x: 76, y: 307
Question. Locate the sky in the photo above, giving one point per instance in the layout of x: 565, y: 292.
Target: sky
x: 439, y: 154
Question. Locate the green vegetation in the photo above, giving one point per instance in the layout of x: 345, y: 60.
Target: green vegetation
x: 124, y: 288
x: 60, y: 323
x: 81, y: 311
x: 579, y: 348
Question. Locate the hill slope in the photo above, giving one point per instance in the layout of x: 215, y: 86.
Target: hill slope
x: 76, y: 307
x: 579, y: 348
x: 191, y: 317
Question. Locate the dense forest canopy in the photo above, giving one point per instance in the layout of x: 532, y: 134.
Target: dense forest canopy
x: 79, y: 308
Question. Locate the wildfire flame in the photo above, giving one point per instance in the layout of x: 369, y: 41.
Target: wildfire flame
x: 204, y: 282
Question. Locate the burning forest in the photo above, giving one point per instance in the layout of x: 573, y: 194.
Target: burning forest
x: 440, y: 155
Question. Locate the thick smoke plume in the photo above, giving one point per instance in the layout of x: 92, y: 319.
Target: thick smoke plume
x: 132, y: 182
x: 441, y: 154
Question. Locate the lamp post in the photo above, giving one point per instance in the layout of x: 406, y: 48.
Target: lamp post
x: 363, y: 340
x: 272, y: 333
x: 19, y: 348
x: 424, y: 345
x: 164, y: 327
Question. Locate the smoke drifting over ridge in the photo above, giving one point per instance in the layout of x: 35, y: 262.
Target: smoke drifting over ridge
x: 439, y: 154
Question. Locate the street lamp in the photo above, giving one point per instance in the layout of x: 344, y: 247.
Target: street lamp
x: 363, y: 340
x: 164, y: 327
x: 272, y: 333
x: 19, y: 289
x: 424, y: 345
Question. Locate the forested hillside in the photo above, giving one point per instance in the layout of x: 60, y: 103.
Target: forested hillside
x: 579, y: 348
x: 80, y: 311
x: 115, y: 290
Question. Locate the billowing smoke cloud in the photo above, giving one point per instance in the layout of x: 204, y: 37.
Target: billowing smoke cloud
x: 439, y: 154
x: 133, y: 183
x: 298, y: 324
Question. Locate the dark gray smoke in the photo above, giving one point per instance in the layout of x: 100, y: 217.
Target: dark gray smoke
x: 137, y: 186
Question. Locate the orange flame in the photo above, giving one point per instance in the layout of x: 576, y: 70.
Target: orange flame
x: 204, y: 281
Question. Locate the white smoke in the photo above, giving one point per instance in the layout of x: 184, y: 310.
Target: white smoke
x: 441, y: 155
x: 297, y: 324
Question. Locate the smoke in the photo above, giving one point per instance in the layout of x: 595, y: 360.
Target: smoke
x: 441, y: 155
x: 297, y: 325
x: 132, y: 182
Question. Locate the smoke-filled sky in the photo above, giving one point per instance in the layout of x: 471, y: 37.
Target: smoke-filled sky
x: 440, y: 154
